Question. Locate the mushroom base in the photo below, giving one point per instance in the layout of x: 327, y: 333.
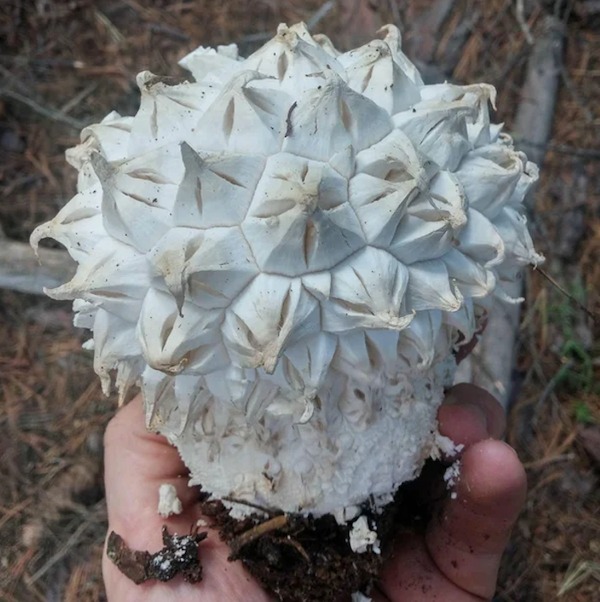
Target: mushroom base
x: 367, y: 433
x: 299, y: 558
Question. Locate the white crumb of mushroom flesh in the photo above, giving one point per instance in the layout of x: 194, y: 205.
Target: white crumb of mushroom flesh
x: 168, y: 500
x: 452, y: 476
x: 362, y: 537
x: 285, y: 253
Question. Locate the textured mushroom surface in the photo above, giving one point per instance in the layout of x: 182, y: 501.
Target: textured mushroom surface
x: 284, y: 253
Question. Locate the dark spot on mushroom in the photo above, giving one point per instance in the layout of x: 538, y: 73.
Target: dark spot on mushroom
x: 359, y: 394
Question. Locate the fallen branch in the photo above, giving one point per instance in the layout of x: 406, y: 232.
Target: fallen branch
x: 45, y: 111
x: 535, y: 113
x: 21, y: 271
x: 491, y: 364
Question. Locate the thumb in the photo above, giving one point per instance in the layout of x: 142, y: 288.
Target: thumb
x: 467, y: 538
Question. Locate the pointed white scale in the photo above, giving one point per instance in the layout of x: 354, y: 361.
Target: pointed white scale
x: 220, y: 268
x: 214, y: 66
x: 110, y: 137
x: 192, y: 396
x: 157, y: 389
x: 480, y: 95
x: 169, y: 256
x: 417, y: 239
x: 395, y: 158
x: 489, y: 176
x: 274, y: 312
x: 305, y: 364
x: 430, y: 287
x: 380, y: 205
x: 299, y: 220
x: 216, y: 189
x: 472, y: 279
x: 206, y: 267
x: 114, y: 343
x: 292, y: 56
x: 128, y: 376
x: 105, y: 280
x: 511, y: 224
x: 439, y: 130
x: 329, y: 118
x: 364, y: 354
x: 444, y: 201
x: 243, y: 118
x: 85, y: 313
x: 480, y: 240
x: 528, y: 178
x: 418, y: 342
x: 367, y: 291
x: 463, y: 320
x: 138, y: 195
x: 326, y: 44
x: 78, y: 225
x: 171, y: 339
x: 393, y: 38
x: 372, y: 72
x: 166, y: 111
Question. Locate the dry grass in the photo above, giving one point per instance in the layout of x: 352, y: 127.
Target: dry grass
x: 63, y: 64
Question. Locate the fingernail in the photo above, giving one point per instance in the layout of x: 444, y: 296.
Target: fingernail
x: 478, y: 413
x: 472, y: 407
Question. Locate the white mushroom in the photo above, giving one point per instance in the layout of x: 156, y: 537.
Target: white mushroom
x: 285, y: 253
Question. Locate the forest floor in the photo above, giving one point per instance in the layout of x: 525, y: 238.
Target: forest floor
x: 66, y: 64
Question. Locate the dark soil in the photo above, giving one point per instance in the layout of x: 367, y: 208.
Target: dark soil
x: 303, y: 559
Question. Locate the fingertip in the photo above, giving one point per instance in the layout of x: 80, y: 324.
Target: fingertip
x: 493, y: 480
x: 468, y: 537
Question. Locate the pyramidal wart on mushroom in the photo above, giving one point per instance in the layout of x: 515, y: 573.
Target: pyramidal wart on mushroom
x: 284, y: 253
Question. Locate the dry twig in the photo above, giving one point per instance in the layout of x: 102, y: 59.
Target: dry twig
x: 45, y: 111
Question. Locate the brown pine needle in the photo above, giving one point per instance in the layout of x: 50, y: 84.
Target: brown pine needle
x: 569, y: 296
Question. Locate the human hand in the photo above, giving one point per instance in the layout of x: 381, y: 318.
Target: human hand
x: 456, y: 560
x: 136, y: 463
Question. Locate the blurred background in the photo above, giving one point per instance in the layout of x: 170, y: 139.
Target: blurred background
x: 66, y: 63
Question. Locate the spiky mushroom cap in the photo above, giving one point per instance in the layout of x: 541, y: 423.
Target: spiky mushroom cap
x: 284, y: 254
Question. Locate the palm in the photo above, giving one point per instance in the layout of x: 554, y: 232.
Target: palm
x: 140, y: 463
x: 455, y: 561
